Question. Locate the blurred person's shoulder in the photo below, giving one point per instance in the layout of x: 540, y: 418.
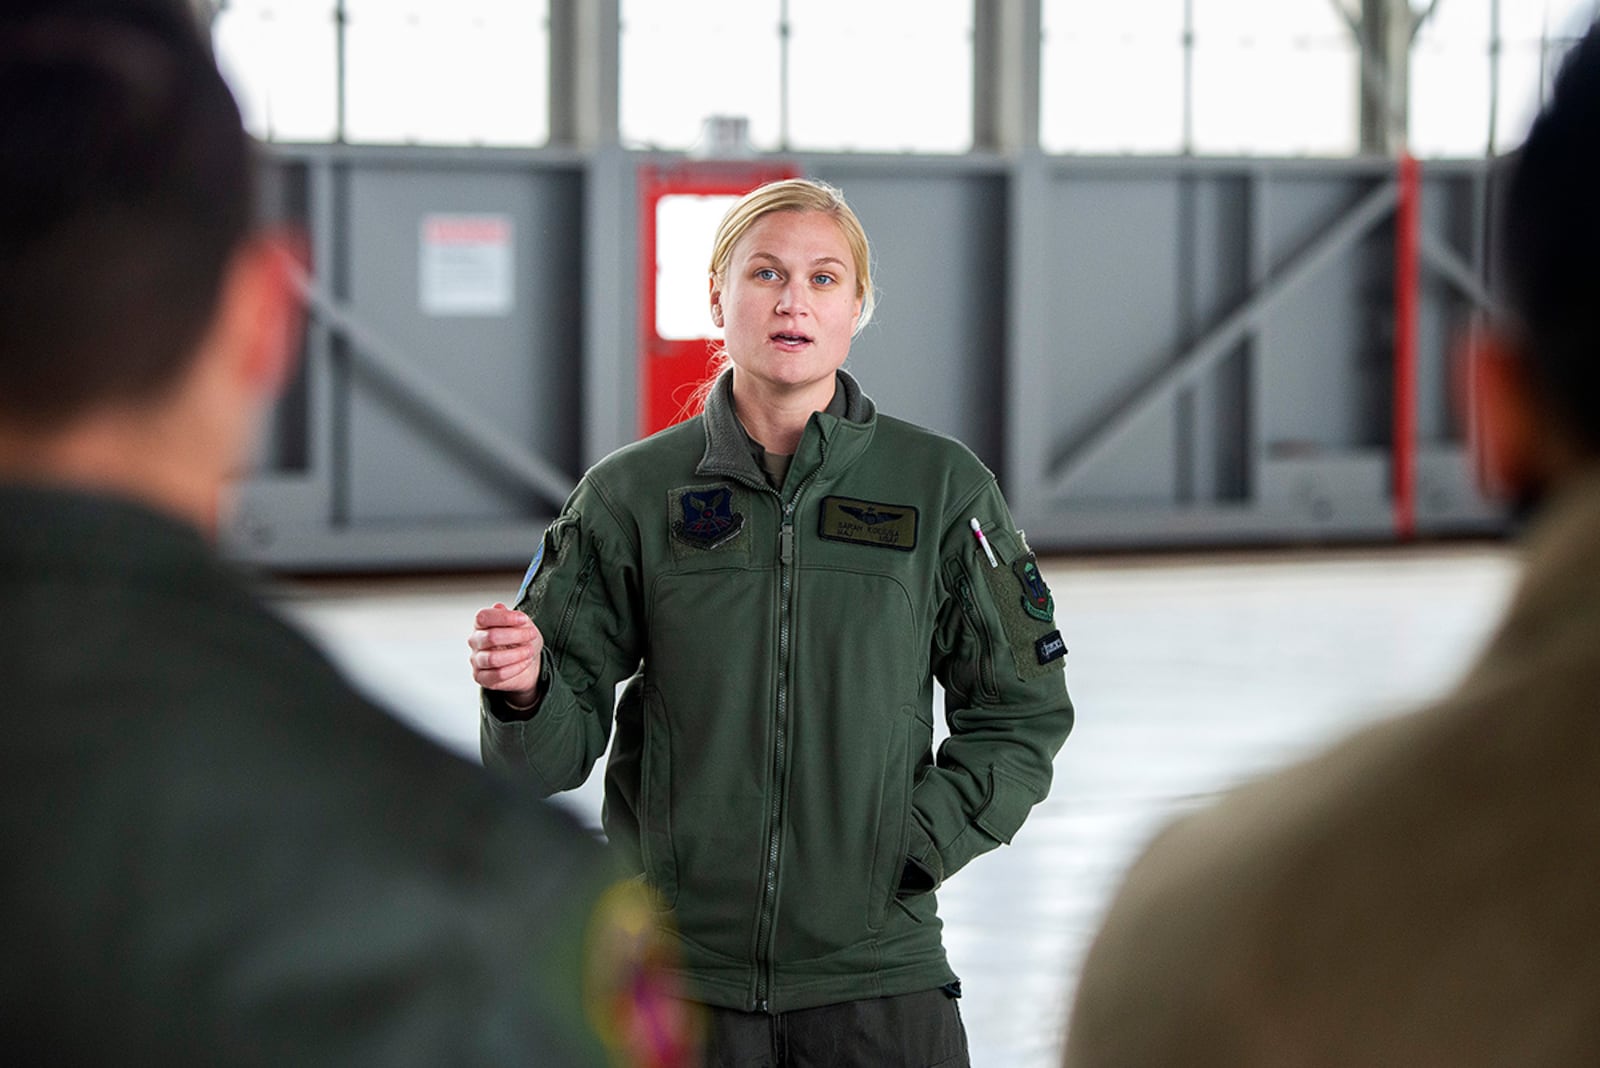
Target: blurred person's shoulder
x: 1394, y: 897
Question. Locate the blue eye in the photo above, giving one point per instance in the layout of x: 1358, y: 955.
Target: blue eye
x: 767, y: 274
x: 823, y: 279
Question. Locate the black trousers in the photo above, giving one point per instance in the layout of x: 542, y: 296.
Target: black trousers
x: 907, y: 1031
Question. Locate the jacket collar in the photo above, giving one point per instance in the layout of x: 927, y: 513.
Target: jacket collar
x: 100, y: 539
x: 827, y: 439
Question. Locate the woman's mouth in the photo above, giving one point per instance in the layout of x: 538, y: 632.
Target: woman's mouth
x: 788, y: 340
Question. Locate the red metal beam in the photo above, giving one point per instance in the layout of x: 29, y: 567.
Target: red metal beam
x: 1407, y: 274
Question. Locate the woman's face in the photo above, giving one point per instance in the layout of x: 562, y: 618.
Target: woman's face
x: 788, y: 303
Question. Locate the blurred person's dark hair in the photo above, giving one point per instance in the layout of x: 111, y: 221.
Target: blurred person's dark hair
x: 1551, y: 246
x: 126, y: 183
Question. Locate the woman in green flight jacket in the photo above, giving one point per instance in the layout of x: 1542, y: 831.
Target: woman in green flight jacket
x: 781, y: 580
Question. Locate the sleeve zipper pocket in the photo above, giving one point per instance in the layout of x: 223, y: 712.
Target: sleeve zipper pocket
x: 570, y: 612
x: 980, y: 626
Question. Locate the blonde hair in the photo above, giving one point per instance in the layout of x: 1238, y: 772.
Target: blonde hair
x: 798, y: 195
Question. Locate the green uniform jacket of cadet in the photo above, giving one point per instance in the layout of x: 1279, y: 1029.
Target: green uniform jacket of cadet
x: 217, y: 853
x: 772, y: 772
x: 1423, y: 895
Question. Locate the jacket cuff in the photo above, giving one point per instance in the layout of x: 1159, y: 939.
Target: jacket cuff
x: 496, y: 706
x: 503, y: 745
x: 923, y: 870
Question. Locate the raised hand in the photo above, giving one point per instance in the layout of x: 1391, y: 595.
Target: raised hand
x: 505, y: 653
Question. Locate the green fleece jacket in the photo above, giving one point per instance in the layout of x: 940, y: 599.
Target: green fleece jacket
x: 772, y: 772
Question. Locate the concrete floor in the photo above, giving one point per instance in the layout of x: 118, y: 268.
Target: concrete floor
x: 1189, y: 674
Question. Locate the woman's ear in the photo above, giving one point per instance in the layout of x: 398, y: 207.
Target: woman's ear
x: 716, y: 302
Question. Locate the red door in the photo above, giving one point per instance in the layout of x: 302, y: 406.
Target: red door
x: 680, y: 206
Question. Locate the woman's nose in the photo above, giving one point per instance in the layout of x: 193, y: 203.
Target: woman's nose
x: 791, y: 301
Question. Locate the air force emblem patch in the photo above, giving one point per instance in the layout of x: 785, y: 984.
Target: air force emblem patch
x: 706, y: 517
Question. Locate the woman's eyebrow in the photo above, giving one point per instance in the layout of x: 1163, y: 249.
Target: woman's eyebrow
x: 816, y: 262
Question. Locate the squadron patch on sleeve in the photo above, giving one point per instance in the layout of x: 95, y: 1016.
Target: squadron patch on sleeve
x: 1036, y: 599
x: 1025, y: 606
x: 703, y: 516
x: 888, y: 526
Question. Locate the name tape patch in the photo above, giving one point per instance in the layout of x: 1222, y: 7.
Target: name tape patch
x: 886, y: 526
x: 1051, y: 647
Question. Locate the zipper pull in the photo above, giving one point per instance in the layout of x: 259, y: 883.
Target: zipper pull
x: 786, y: 545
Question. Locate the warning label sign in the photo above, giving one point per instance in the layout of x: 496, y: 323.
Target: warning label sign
x: 467, y: 265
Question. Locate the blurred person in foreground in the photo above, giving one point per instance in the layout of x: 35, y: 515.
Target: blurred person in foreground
x: 1422, y: 894
x: 215, y: 851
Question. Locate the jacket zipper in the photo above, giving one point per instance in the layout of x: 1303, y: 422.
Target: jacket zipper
x: 769, y: 889
x: 985, y: 640
x: 585, y: 573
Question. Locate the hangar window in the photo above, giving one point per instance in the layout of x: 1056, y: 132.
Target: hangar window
x: 1449, y: 93
x: 1274, y: 77
x: 282, y: 61
x: 1481, y: 68
x: 420, y: 72
x: 1112, y: 77
x: 447, y: 71
x: 1220, y: 77
x: 1285, y: 77
x: 682, y: 63
x: 821, y: 75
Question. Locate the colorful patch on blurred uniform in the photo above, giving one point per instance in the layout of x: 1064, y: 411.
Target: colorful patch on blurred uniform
x: 636, y: 1002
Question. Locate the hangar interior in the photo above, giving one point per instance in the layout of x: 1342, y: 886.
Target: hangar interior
x: 1187, y: 274
x: 1164, y: 310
